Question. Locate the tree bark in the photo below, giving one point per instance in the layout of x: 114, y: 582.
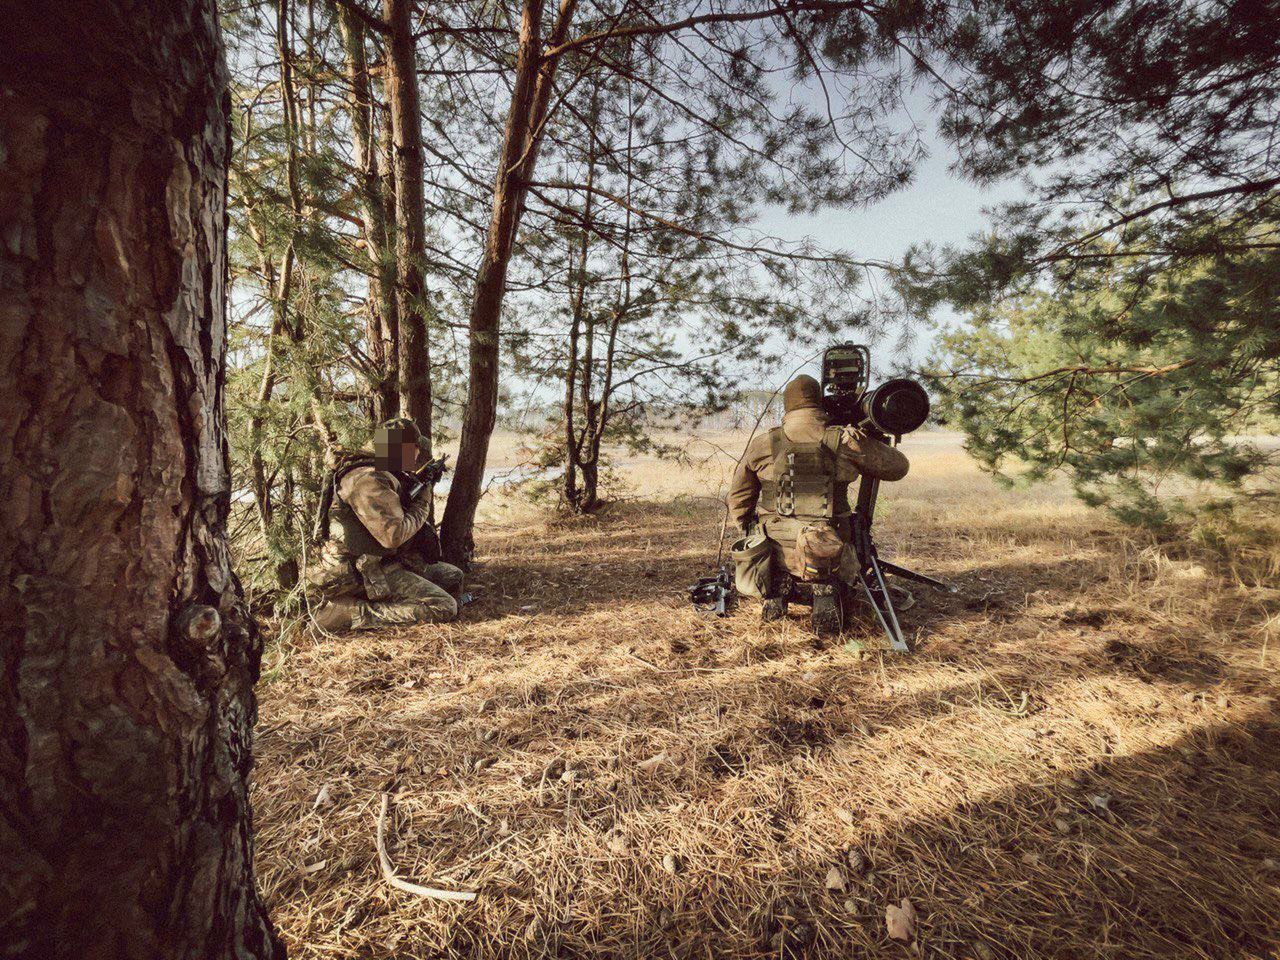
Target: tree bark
x: 526, y: 117
x: 410, y: 213
x: 384, y: 323
x: 127, y: 706
x: 386, y: 154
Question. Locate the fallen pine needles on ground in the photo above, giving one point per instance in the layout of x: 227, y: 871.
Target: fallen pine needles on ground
x: 1083, y: 759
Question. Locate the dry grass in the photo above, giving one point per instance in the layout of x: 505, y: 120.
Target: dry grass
x: 1083, y: 760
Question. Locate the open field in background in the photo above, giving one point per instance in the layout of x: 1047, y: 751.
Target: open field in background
x: 1081, y: 761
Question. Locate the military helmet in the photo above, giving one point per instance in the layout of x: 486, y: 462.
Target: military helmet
x: 398, y: 430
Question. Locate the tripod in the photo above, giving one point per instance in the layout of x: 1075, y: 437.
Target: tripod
x: 872, y: 570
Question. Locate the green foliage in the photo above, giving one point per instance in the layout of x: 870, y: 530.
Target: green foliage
x: 1123, y: 314
x: 1149, y: 391
x: 1150, y: 124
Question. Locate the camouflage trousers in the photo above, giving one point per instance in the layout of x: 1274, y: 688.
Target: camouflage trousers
x: 411, y: 592
x: 786, y: 563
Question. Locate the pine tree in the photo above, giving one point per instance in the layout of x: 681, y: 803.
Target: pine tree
x: 129, y: 655
x: 1145, y: 391
x: 1121, y: 329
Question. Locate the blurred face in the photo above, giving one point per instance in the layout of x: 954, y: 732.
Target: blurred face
x: 409, y: 457
x: 393, y: 451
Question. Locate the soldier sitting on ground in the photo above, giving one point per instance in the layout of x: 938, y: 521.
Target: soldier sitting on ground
x: 382, y: 565
x: 792, y: 487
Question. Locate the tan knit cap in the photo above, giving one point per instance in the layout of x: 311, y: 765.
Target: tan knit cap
x: 800, y: 393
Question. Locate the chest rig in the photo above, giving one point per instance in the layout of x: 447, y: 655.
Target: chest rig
x: 799, y: 490
x: 801, y: 480
x: 356, y: 540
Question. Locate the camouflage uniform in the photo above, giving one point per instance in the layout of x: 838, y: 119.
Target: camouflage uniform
x: 373, y: 568
x: 805, y: 422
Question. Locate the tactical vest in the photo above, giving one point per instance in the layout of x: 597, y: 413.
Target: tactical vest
x: 801, y: 481
x: 355, y: 539
x: 800, y: 488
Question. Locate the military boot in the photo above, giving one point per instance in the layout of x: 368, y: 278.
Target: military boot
x: 828, y: 609
x: 775, y: 608
x: 334, y: 616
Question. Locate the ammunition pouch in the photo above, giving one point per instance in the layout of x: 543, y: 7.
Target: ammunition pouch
x: 752, y: 564
x: 425, y: 544
x: 809, y: 547
x: 819, y: 548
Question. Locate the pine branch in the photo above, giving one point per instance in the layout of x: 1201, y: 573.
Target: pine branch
x: 658, y: 29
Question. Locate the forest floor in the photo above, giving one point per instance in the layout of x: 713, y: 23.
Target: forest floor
x: 1081, y: 760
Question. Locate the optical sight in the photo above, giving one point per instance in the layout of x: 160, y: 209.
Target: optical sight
x: 893, y: 408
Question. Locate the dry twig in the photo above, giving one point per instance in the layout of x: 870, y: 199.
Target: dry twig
x: 389, y: 870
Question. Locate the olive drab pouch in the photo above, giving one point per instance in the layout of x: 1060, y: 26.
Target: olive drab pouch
x: 752, y: 564
x: 819, y: 548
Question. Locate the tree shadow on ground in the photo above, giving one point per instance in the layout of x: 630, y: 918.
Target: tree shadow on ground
x: 1168, y: 852
x: 1043, y: 779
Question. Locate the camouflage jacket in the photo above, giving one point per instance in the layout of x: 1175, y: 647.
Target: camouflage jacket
x: 377, y: 500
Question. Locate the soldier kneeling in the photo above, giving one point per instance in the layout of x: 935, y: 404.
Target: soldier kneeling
x: 789, y: 497
x: 382, y: 565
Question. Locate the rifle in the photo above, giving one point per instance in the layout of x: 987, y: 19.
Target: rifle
x: 427, y: 541
x: 885, y: 413
x: 430, y: 472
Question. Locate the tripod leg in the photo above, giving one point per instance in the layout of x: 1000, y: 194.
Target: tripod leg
x: 906, y: 574
x: 878, y: 594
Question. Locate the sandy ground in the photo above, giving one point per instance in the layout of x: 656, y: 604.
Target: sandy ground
x: 1082, y: 759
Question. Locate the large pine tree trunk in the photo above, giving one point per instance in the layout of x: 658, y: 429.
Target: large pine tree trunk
x: 126, y: 704
x: 410, y: 237
x: 522, y: 140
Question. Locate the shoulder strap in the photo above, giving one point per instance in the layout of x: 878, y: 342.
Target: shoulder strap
x: 347, y: 465
x: 768, y: 500
x: 776, y: 439
x: 832, y: 437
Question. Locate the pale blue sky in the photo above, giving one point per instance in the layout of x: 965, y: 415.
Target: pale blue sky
x: 937, y: 206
